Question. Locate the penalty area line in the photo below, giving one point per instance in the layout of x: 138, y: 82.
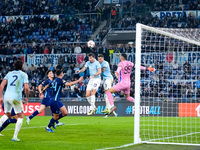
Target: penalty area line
x: 122, y: 146
x: 46, y: 126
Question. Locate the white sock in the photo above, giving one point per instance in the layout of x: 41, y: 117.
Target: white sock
x: 92, y: 102
x: 18, y: 127
x: 89, y: 100
x: 107, y: 102
x: 114, y: 113
x: 3, y: 119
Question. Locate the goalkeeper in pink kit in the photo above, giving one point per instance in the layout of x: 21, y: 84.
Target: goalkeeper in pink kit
x: 123, y: 74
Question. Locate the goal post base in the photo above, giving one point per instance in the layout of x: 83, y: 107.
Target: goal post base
x: 187, y: 144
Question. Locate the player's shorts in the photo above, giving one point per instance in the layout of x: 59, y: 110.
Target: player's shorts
x: 122, y: 87
x: 55, y: 106
x: 45, y: 101
x: 12, y: 111
x: 15, y: 104
x: 107, y: 83
x: 94, y: 83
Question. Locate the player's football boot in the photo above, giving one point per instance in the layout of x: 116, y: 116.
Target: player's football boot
x: 54, y: 126
x: 110, y: 110
x: 151, y: 69
x: 105, y: 110
x: 49, y: 129
x: 27, y: 120
x: 1, y: 134
x: 15, y: 139
x: 60, y: 124
x: 92, y: 112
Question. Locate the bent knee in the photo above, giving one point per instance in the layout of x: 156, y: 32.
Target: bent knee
x: 65, y: 113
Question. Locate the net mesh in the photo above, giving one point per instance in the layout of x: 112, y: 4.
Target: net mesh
x: 170, y: 96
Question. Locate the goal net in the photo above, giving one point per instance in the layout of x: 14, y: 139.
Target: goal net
x: 167, y: 104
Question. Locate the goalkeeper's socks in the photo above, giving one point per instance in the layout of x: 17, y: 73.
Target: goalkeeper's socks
x: 33, y: 114
x: 6, y: 123
x: 110, y: 98
x: 51, y: 123
x: 131, y: 99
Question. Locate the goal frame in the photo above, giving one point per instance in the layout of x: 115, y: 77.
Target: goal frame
x: 139, y: 29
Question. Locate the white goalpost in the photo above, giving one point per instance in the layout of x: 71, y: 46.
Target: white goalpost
x: 167, y: 101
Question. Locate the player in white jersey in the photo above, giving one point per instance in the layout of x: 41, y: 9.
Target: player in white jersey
x: 15, y: 81
x: 107, y: 79
x: 95, y: 79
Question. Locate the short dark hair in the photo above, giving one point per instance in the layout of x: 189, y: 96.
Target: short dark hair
x: 101, y: 55
x: 58, y: 72
x: 18, y: 64
x: 124, y: 55
x: 48, y: 71
x: 91, y: 54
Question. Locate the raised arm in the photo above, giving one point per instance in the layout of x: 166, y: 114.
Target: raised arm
x: 3, y: 83
x: 82, y: 70
x: 74, y: 82
x: 148, y: 68
x: 118, y: 71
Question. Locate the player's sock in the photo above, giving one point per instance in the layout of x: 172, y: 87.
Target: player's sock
x: 89, y: 100
x: 51, y: 123
x: 18, y: 127
x: 60, y: 116
x: 131, y: 99
x: 6, y: 123
x: 143, y: 68
x: 34, y: 114
x: 107, y: 102
x: 56, y: 120
x: 115, y: 113
x: 92, y: 102
x: 3, y: 119
x: 110, y: 98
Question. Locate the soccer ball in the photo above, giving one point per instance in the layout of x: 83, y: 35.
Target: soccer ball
x: 91, y: 44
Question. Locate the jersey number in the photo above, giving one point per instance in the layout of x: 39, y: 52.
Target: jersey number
x: 13, y: 83
x: 127, y: 69
x: 54, y: 86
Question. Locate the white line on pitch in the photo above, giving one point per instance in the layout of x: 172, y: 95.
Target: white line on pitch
x: 175, y: 136
x: 122, y: 146
x: 45, y: 126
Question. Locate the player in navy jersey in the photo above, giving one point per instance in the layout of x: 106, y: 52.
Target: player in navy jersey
x: 55, y: 104
x: 45, y: 98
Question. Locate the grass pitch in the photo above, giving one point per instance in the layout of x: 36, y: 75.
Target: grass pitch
x: 79, y: 133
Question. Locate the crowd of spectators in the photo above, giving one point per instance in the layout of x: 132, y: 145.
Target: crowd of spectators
x: 176, y: 82
x: 37, y: 31
x: 172, y: 5
x: 35, y: 7
x: 51, y: 36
